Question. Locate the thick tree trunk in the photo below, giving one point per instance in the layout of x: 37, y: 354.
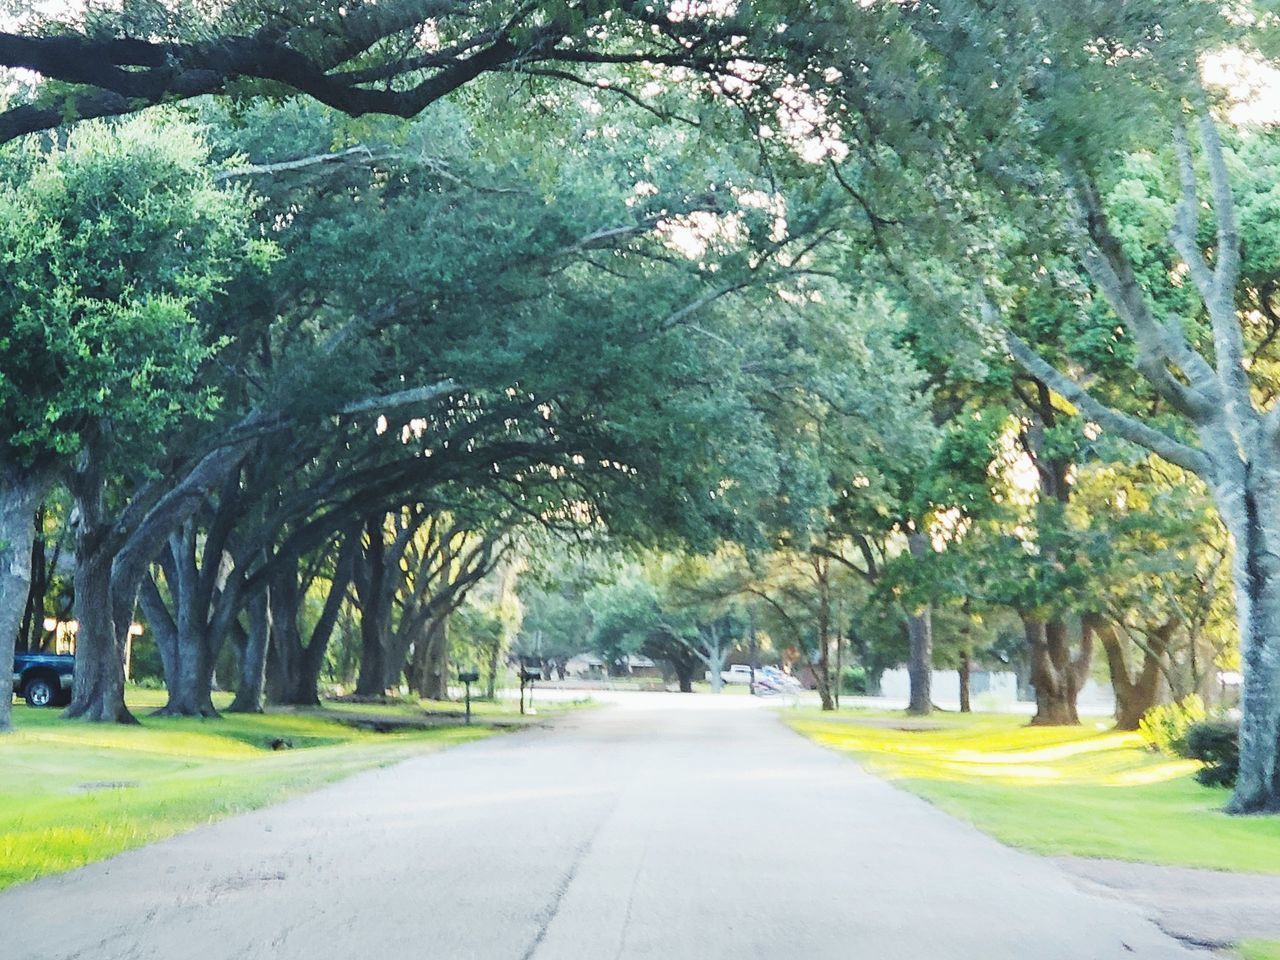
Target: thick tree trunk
x: 1052, y: 672
x: 30, y: 636
x: 1135, y: 694
x: 920, y: 637
x: 436, y: 674
x: 253, y: 657
x: 293, y: 669
x: 372, y: 581
x: 189, y: 663
x: 396, y: 660
x: 290, y: 682
x: 714, y: 654
x: 920, y: 662
x: 684, y: 674
x: 1251, y: 512
x: 371, y: 681
x: 97, y: 693
x: 291, y: 677
x: 20, y: 494
x: 964, y: 671
x: 491, y: 672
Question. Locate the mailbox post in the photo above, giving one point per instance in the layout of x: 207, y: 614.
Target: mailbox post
x: 530, y: 670
x: 467, y: 678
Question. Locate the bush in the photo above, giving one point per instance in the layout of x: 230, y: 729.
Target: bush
x: 1164, y: 728
x: 854, y: 681
x: 1216, y: 744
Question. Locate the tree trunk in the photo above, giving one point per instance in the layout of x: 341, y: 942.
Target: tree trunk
x: 253, y: 657
x: 31, y: 634
x: 966, y: 668
x: 920, y: 636
x: 491, y: 675
x: 714, y: 655
x: 371, y: 581
x: 435, y: 685
x: 920, y: 662
x: 1251, y: 511
x: 97, y: 693
x: 189, y: 665
x: 293, y: 669
x: 823, y: 672
x: 684, y: 673
x: 1052, y: 671
x: 20, y: 494
x: 373, y: 668
x: 1135, y: 695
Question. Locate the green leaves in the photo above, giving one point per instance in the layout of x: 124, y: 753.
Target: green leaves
x: 111, y: 245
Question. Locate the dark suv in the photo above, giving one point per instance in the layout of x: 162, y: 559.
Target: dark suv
x: 43, y: 679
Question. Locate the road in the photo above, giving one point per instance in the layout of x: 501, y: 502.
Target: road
x: 692, y: 828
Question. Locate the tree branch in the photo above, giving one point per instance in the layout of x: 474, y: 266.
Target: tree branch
x: 1123, y: 425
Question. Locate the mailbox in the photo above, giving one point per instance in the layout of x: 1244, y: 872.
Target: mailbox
x: 468, y: 677
x: 530, y: 669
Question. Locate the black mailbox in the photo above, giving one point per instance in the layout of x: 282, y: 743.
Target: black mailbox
x: 467, y: 678
x: 530, y: 673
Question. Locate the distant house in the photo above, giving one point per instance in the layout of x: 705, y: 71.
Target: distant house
x: 589, y: 666
x: 586, y: 666
x: 638, y: 665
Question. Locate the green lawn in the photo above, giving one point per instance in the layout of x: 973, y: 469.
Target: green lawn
x: 1082, y: 791
x: 1260, y: 950
x: 72, y: 793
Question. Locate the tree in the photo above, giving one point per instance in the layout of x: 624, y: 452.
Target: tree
x: 1011, y: 117
x: 101, y: 346
x: 1236, y: 449
x: 359, y: 58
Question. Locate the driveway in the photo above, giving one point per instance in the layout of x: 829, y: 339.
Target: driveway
x: 658, y: 826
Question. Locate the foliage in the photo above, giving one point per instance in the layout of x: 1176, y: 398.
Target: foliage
x: 1216, y: 744
x: 1165, y: 727
x: 110, y: 244
x: 854, y: 681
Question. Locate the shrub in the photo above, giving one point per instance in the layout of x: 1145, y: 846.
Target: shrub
x: 854, y: 681
x: 1216, y: 744
x: 1164, y: 728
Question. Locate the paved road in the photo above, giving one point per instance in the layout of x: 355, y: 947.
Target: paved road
x: 692, y: 829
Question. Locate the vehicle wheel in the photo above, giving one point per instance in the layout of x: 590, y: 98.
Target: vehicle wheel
x: 40, y: 692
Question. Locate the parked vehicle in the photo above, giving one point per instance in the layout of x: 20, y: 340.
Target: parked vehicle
x: 43, y: 679
x: 738, y: 673
x: 771, y: 680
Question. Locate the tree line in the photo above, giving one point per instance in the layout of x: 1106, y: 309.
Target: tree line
x: 974, y: 308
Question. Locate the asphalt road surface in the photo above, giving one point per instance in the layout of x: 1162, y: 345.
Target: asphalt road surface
x: 662, y: 827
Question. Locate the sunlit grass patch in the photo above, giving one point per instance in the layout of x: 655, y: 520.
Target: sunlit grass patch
x: 1055, y: 790
x: 1260, y: 950
x: 72, y: 793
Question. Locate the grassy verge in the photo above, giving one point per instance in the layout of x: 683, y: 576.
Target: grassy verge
x: 1077, y: 791
x: 496, y: 709
x: 74, y: 793
x: 1260, y: 950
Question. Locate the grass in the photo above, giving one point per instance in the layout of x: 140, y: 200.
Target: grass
x: 74, y: 793
x: 1075, y: 790
x: 484, y: 709
x: 1260, y: 950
